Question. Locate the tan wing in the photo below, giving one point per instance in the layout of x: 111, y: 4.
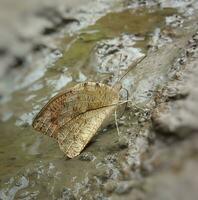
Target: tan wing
x: 77, y: 133
x: 69, y: 104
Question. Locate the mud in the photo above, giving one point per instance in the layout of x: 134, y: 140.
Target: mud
x: 155, y: 155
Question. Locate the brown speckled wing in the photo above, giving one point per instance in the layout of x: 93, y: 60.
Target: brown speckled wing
x: 77, y: 112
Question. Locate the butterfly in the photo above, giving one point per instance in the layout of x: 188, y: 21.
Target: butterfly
x: 74, y: 116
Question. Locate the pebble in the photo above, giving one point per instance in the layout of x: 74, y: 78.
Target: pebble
x: 87, y: 156
x: 141, y: 120
x: 103, y: 173
x: 67, y: 194
x: 123, y: 142
x: 123, y: 188
x: 110, y: 186
x: 100, y: 197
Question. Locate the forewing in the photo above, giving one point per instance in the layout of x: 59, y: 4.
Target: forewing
x: 67, y: 105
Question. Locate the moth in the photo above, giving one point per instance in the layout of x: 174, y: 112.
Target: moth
x: 74, y: 116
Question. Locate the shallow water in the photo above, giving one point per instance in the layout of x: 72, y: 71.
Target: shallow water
x: 32, y: 164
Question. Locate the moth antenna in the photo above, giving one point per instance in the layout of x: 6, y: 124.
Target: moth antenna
x: 129, y: 69
x: 119, y: 67
x: 118, y: 71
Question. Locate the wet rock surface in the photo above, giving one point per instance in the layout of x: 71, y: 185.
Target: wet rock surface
x: 155, y: 154
x: 109, y: 51
x: 178, y: 114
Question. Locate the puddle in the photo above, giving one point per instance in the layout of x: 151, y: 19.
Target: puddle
x: 36, y: 160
